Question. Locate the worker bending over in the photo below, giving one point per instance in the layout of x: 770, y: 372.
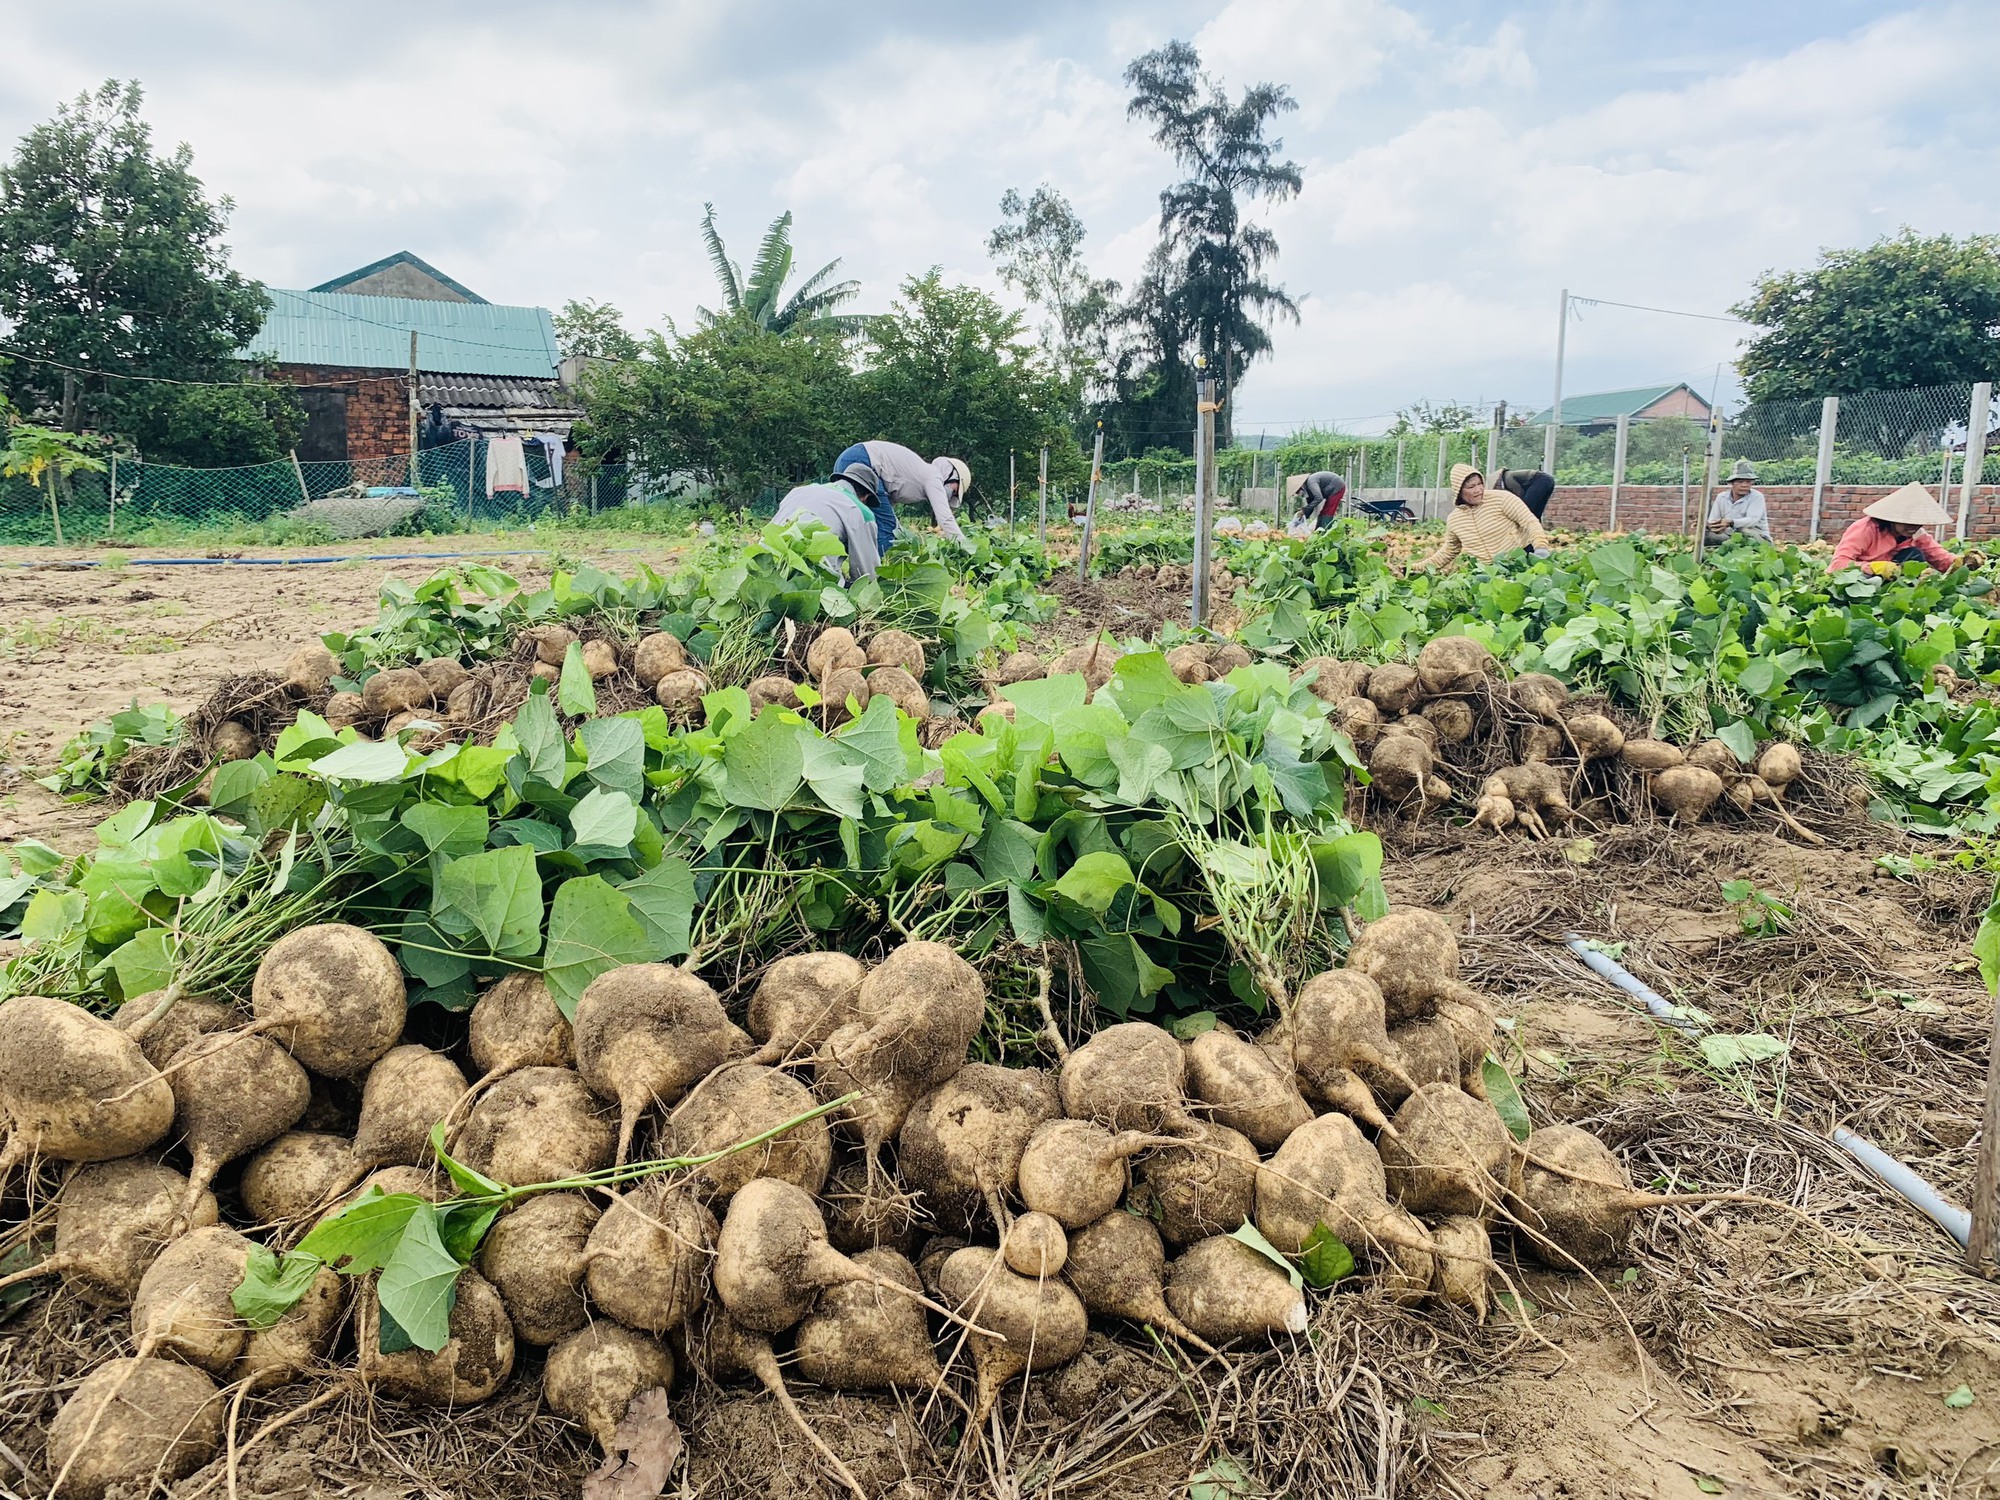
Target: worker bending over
x: 844, y: 505
x: 903, y: 477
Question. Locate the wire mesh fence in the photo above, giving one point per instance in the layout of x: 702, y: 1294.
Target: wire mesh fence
x: 292, y: 500
x: 1932, y: 435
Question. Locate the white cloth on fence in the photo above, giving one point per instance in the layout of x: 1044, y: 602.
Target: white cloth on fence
x: 506, y: 466
x: 552, y: 445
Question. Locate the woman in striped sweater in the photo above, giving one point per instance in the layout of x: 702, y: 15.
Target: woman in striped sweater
x: 1484, y: 523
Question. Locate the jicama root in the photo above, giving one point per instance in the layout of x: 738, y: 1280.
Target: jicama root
x: 593, y: 1375
x: 1337, y: 1027
x: 134, y: 1422
x: 233, y: 1092
x: 1540, y: 695
x: 1245, y: 1087
x: 1327, y: 1173
x: 1454, y: 664
x: 737, y: 1103
x: 1401, y: 765
x: 800, y: 1002
x: 537, y: 1125
x: 772, y: 1258
x: 1449, y: 1154
x: 1412, y: 955
x: 961, y: 1144
x: 1030, y: 1325
x: 646, y: 1262
x: 409, y: 1090
x: 475, y: 1361
x: 1394, y: 689
x: 1577, y: 1206
x: 857, y: 1337
x: 645, y: 1035
x: 1131, y: 1076
x: 1075, y: 1170
x: 1687, y: 792
x: 332, y: 995
x: 535, y: 1256
x: 1118, y: 1266
x: 74, y: 1087
x: 1223, y: 1290
x: 112, y: 1221
x: 1208, y: 1186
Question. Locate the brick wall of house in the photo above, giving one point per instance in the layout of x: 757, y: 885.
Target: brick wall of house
x: 1657, y: 507
x: 378, y: 405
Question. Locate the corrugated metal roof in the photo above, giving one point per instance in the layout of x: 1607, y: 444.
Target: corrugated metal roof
x: 373, y: 333
x: 1606, y: 406
x: 496, y: 391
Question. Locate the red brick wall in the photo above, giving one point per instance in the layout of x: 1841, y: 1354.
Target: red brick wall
x: 1657, y: 507
x: 378, y: 405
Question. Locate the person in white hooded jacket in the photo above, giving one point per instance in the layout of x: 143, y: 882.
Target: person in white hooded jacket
x: 907, y: 478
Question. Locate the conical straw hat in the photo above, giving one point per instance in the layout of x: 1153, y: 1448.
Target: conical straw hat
x: 1911, y: 505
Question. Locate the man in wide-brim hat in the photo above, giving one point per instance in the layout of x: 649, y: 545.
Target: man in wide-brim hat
x: 1891, y: 533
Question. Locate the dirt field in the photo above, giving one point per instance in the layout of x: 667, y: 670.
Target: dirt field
x: 78, y: 643
x: 1819, y: 1338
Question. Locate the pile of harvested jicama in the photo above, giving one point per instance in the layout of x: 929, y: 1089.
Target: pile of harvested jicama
x: 1525, y: 755
x: 897, y: 1207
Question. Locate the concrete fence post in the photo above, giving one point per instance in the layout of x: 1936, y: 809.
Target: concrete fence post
x: 1399, y: 462
x: 1829, y: 421
x: 1977, y: 420
x: 1443, y: 443
x: 1618, y: 466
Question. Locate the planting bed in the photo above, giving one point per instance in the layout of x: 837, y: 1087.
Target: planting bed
x: 1016, y: 870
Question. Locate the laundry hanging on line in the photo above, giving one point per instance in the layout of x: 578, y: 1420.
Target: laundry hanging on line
x: 506, y: 467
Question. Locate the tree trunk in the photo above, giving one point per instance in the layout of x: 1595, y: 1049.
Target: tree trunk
x: 55, y: 510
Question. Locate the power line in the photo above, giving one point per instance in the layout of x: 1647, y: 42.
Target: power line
x: 56, y: 364
x: 1669, y: 311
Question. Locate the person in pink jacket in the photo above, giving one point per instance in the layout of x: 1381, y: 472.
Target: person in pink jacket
x: 1891, y: 533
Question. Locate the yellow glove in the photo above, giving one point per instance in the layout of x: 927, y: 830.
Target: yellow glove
x: 1884, y: 569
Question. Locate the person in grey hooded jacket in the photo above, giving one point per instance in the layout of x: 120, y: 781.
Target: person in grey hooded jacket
x: 845, y: 506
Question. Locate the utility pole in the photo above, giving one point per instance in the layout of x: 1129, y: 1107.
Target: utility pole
x: 1556, y: 409
x: 416, y: 408
x: 1090, y: 505
x: 1042, y: 525
x: 1204, y: 487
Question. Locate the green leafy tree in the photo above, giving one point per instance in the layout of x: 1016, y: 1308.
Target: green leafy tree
x: 111, y: 261
x: 950, y: 371
x: 733, y: 406
x: 1038, y: 249
x: 1906, y: 311
x: 46, y: 458
x: 761, y: 296
x: 595, y: 330
x: 1212, y: 260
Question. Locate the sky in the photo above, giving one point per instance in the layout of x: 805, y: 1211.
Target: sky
x: 1463, y: 164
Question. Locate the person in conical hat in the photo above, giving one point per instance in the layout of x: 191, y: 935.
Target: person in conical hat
x: 1891, y: 533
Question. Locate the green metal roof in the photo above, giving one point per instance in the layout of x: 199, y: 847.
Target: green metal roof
x: 400, y: 258
x: 1608, y: 406
x: 373, y: 333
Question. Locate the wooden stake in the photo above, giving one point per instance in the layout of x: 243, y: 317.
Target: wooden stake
x: 1982, y: 1250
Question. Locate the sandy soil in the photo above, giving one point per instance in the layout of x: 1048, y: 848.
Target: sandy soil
x: 78, y: 643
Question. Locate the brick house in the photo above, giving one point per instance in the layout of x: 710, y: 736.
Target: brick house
x: 345, y: 343
x: 1599, y: 411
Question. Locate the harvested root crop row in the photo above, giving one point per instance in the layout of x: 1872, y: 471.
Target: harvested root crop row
x: 946, y: 1212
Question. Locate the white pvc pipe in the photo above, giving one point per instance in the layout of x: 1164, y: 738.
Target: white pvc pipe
x: 1952, y: 1219
x: 1606, y: 967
